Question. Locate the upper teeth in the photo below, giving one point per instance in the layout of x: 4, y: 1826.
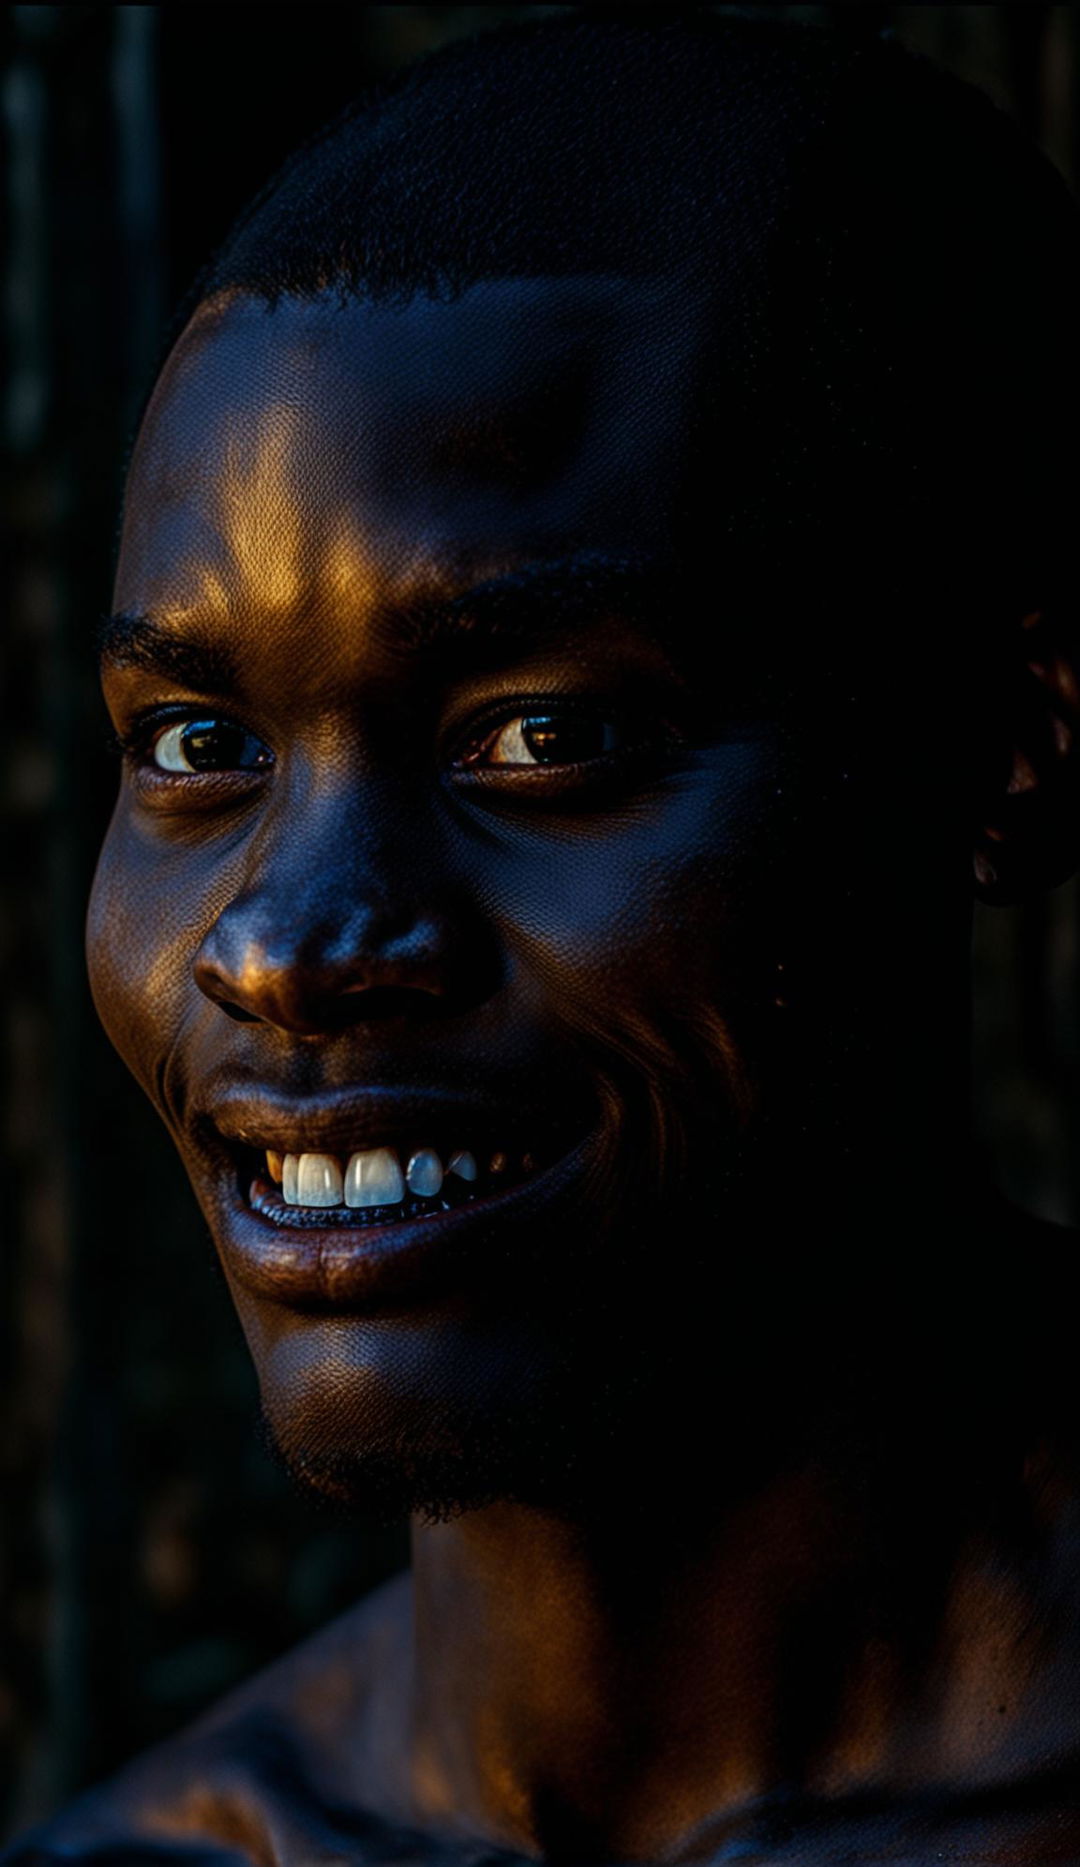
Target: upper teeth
x: 372, y: 1177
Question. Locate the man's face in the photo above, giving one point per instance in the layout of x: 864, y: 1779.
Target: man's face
x: 441, y: 834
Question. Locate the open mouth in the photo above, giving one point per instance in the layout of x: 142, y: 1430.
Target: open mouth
x: 308, y: 1218
x: 382, y: 1185
x: 385, y: 1197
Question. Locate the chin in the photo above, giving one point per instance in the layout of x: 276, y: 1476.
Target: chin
x: 437, y: 1416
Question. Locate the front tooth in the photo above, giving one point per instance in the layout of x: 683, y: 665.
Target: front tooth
x: 273, y: 1164
x: 288, y: 1179
x: 318, y: 1181
x: 463, y: 1164
x: 374, y: 1178
x: 424, y: 1173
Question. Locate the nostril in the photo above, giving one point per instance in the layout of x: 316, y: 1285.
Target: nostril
x: 236, y: 1011
x: 368, y: 1004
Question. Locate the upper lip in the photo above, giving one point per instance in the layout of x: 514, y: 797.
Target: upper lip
x: 363, y: 1117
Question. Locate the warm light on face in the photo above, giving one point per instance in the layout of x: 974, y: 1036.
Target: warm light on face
x: 571, y: 950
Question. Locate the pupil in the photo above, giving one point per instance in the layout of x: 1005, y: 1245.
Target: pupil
x: 564, y: 742
x: 212, y: 745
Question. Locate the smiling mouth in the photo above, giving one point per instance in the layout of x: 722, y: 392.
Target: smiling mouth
x: 316, y: 1231
x: 379, y: 1186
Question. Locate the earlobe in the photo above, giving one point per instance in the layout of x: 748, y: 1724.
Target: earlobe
x: 1028, y: 824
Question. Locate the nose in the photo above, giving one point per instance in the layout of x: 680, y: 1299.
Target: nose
x: 339, y: 924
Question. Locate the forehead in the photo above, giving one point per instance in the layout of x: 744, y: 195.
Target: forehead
x: 346, y: 440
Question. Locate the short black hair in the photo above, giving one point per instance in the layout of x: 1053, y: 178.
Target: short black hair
x: 893, y: 270
x: 555, y: 145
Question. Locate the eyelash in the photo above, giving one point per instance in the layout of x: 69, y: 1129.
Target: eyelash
x: 483, y: 730
x: 184, y: 790
x: 137, y: 744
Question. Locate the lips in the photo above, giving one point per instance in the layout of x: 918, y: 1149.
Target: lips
x: 349, y: 1202
x: 350, y: 1118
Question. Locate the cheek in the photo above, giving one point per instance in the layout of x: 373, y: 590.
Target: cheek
x: 143, y: 929
x: 654, y: 903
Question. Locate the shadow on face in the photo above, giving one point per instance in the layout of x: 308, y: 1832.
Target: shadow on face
x: 481, y: 799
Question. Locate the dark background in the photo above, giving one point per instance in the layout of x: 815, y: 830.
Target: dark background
x: 150, y: 1553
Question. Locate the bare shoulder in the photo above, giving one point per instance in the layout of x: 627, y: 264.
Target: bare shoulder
x: 253, y: 1780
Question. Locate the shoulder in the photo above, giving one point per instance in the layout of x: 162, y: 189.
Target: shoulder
x: 255, y: 1779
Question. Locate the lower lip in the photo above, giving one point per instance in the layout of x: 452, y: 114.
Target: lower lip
x: 339, y: 1267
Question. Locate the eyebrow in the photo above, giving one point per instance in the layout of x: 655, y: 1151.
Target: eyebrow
x: 135, y: 640
x: 527, y: 606
x: 519, y: 608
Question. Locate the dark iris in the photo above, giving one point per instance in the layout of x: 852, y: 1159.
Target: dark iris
x: 554, y: 741
x: 218, y: 745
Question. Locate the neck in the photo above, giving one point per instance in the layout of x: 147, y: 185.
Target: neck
x: 586, y: 1696
x: 600, y: 1684
x: 569, y: 1671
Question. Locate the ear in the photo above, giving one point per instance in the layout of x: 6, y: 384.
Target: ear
x: 1028, y: 806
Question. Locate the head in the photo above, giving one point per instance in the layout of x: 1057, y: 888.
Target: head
x: 590, y: 614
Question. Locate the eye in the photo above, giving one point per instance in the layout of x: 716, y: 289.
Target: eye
x: 208, y: 745
x: 544, y: 739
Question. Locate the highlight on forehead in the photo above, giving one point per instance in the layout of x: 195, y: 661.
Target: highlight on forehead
x: 258, y: 413
x: 891, y: 273
x: 521, y: 607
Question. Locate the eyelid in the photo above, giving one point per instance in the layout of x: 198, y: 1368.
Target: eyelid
x: 498, y: 715
x: 656, y: 730
x: 136, y: 737
x: 657, y: 741
x: 145, y: 726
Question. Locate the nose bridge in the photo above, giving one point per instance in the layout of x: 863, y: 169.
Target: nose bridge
x: 340, y: 894
x: 335, y: 852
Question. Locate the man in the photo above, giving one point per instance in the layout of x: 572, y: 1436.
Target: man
x: 577, y: 648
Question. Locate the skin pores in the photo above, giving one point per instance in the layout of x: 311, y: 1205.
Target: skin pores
x: 486, y: 851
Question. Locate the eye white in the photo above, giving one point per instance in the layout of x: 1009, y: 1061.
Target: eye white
x: 169, y: 754
x: 509, y: 748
